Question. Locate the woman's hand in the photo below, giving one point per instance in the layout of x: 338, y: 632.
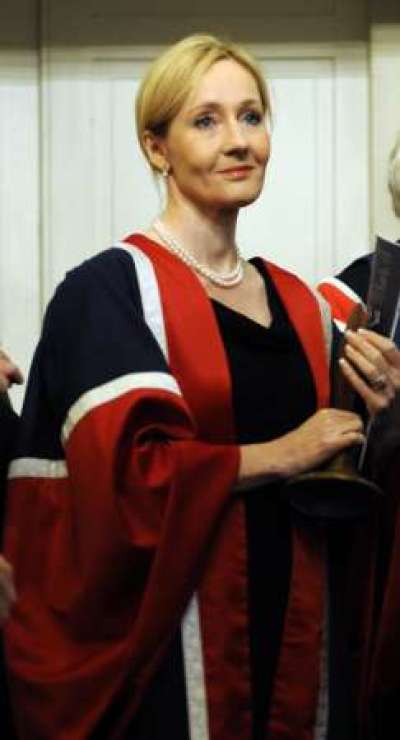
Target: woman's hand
x: 7, y: 590
x: 316, y: 440
x: 9, y: 372
x: 308, y: 446
x: 372, y: 366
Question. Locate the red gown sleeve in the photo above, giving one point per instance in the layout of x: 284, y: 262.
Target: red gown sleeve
x: 114, y: 502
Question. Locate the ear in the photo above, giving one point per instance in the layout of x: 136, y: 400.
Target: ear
x: 155, y: 148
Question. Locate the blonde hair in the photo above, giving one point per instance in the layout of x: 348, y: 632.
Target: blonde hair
x: 173, y: 75
x: 394, y: 175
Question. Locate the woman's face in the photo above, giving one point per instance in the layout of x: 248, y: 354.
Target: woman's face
x: 217, y: 147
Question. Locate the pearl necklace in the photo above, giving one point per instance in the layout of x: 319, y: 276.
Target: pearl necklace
x: 223, y: 280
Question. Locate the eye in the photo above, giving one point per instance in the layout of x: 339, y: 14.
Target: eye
x: 252, y: 117
x: 206, y: 120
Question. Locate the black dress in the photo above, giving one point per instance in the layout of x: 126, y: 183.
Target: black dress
x: 272, y: 394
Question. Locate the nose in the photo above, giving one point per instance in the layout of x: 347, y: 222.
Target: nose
x: 235, y: 140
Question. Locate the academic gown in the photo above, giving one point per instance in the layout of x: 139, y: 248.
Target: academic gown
x: 123, y: 486
x: 347, y: 289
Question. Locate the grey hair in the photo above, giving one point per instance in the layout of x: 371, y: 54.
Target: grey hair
x: 394, y: 175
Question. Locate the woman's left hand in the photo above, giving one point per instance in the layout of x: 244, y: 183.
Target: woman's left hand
x: 9, y: 372
x: 371, y: 364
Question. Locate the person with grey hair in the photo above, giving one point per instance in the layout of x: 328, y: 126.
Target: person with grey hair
x: 394, y: 175
x: 350, y: 286
x: 382, y: 682
x: 383, y: 692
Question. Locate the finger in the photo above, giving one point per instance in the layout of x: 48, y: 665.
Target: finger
x: 5, y: 610
x: 375, y: 365
x: 15, y: 375
x: 7, y: 576
x: 348, y: 423
x: 346, y: 436
x: 5, y: 565
x: 338, y: 415
x: 7, y: 588
x: 340, y: 422
x: 369, y: 351
x: 337, y: 428
x: 354, y: 438
x: 9, y: 374
x: 384, y: 344
x: 386, y: 359
x: 375, y: 400
x: 372, y: 372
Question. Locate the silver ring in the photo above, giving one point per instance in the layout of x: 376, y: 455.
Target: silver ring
x: 380, y: 383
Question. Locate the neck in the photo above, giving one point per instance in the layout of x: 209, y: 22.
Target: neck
x: 208, y: 236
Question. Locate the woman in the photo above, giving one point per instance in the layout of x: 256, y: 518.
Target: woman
x: 165, y: 586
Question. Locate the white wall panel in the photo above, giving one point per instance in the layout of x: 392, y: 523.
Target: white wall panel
x: 19, y: 207
x: 19, y: 182
x: 385, y: 94
x: 69, y: 208
x: 292, y: 222
x: 98, y: 186
x: 352, y: 161
x: 137, y: 194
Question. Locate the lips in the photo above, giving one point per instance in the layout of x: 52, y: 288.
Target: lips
x: 237, y: 170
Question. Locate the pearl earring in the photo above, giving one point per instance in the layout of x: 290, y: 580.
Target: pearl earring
x: 166, y: 170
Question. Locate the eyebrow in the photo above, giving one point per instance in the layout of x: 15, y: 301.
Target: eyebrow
x: 214, y: 104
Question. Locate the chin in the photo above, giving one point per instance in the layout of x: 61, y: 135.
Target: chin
x: 240, y: 200
x: 226, y: 200
x: 249, y: 200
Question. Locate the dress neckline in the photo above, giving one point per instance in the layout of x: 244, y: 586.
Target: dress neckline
x: 236, y: 324
x: 262, y: 269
